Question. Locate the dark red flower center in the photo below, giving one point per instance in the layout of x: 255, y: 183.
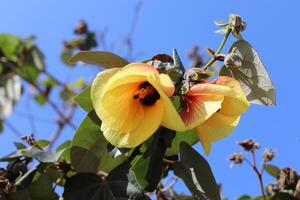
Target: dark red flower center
x: 146, y: 94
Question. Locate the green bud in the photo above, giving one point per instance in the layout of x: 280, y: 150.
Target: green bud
x: 236, y: 23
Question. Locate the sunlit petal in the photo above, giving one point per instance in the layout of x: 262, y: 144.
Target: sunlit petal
x: 149, y: 124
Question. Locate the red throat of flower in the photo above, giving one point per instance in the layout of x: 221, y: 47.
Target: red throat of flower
x: 146, y: 94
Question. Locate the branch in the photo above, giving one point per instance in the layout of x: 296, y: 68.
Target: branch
x: 61, y: 125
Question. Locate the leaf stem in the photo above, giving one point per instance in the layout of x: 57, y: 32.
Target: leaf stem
x: 214, y: 58
x: 259, y: 175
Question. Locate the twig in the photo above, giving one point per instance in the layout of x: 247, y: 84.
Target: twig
x: 51, y: 103
x: 128, y: 39
x: 171, y: 185
x: 61, y: 126
x: 259, y: 175
x: 13, y: 129
x: 29, y: 115
x: 214, y: 58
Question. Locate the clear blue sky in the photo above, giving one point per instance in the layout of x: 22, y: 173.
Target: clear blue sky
x: 273, y: 29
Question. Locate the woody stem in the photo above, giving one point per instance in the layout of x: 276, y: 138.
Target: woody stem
x: 214, y: 58
x: 259, y: 175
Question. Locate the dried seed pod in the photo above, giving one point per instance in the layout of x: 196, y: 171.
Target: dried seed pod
x: 249, y: 145
x: 236, y: 158
x: 269, y: 154
x: 288, y: 179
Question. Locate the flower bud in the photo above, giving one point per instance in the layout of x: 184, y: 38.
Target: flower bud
x: 236, y: 158
x: 233, y: 60
x: 81, y: 28
x: 198, y: 75
x: 29, y: 139
x: 249, y: 145
x: 236, y: 23
x: 269, y: 154
x: 288, y: 179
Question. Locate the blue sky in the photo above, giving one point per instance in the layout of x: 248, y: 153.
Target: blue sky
x: 272, y: 29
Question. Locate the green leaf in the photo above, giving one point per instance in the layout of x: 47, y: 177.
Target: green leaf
x: 8, y: 45
x: 19, y: 145
x: 252, y: 75
x: 40, y: 188
x: 83, y: 99
x: 272, y: 170
x: 65, y: 56
x: 89, y: 148
x: 259, y: 198
x: 196, y: 173
x: 99, y: 58
x: 38, y: 58
x: 189, y: 137
x: 282, y: 196
x: 148, y: 167
x: 63, y: 146
x: 42, y: 143
x: 244, y: 197
x: 177, y: 61
x: 12, y: 156
x: 41, y: 155
x: 89, y: 186
x: 1, y: 126
x: 40, y: 99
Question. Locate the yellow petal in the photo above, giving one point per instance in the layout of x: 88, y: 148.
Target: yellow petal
x: 215, y: 128
x: 167, y: 84
x: 171, y: 118
x: 118, y: 108
x: 145, y: 129
x: 98, y: 85
x: 202, y: 101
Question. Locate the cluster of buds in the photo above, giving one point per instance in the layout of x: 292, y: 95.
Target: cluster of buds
x: 85, y: 40
x: 81, y: 28
x: 29, y: 139
x: 249, y: 145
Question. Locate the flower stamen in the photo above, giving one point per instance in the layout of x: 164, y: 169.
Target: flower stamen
x: 146, y: 94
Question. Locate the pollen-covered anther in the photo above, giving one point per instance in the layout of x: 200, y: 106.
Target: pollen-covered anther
x: 147, y: 94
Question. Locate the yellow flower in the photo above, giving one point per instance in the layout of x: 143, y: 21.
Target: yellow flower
x: 213, y: 109
x: 133, y: 102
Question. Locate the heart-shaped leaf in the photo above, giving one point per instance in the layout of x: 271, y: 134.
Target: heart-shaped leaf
x: 83, y: 99
x: 100, y: 58
x: 189, y: 137
x: 116, y: 186
x: 89, y: 147
x: 196, y: 173
x: 147, y: 168
x: 252, y: 75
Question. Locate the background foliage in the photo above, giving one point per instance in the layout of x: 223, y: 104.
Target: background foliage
x: 280, y: 130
